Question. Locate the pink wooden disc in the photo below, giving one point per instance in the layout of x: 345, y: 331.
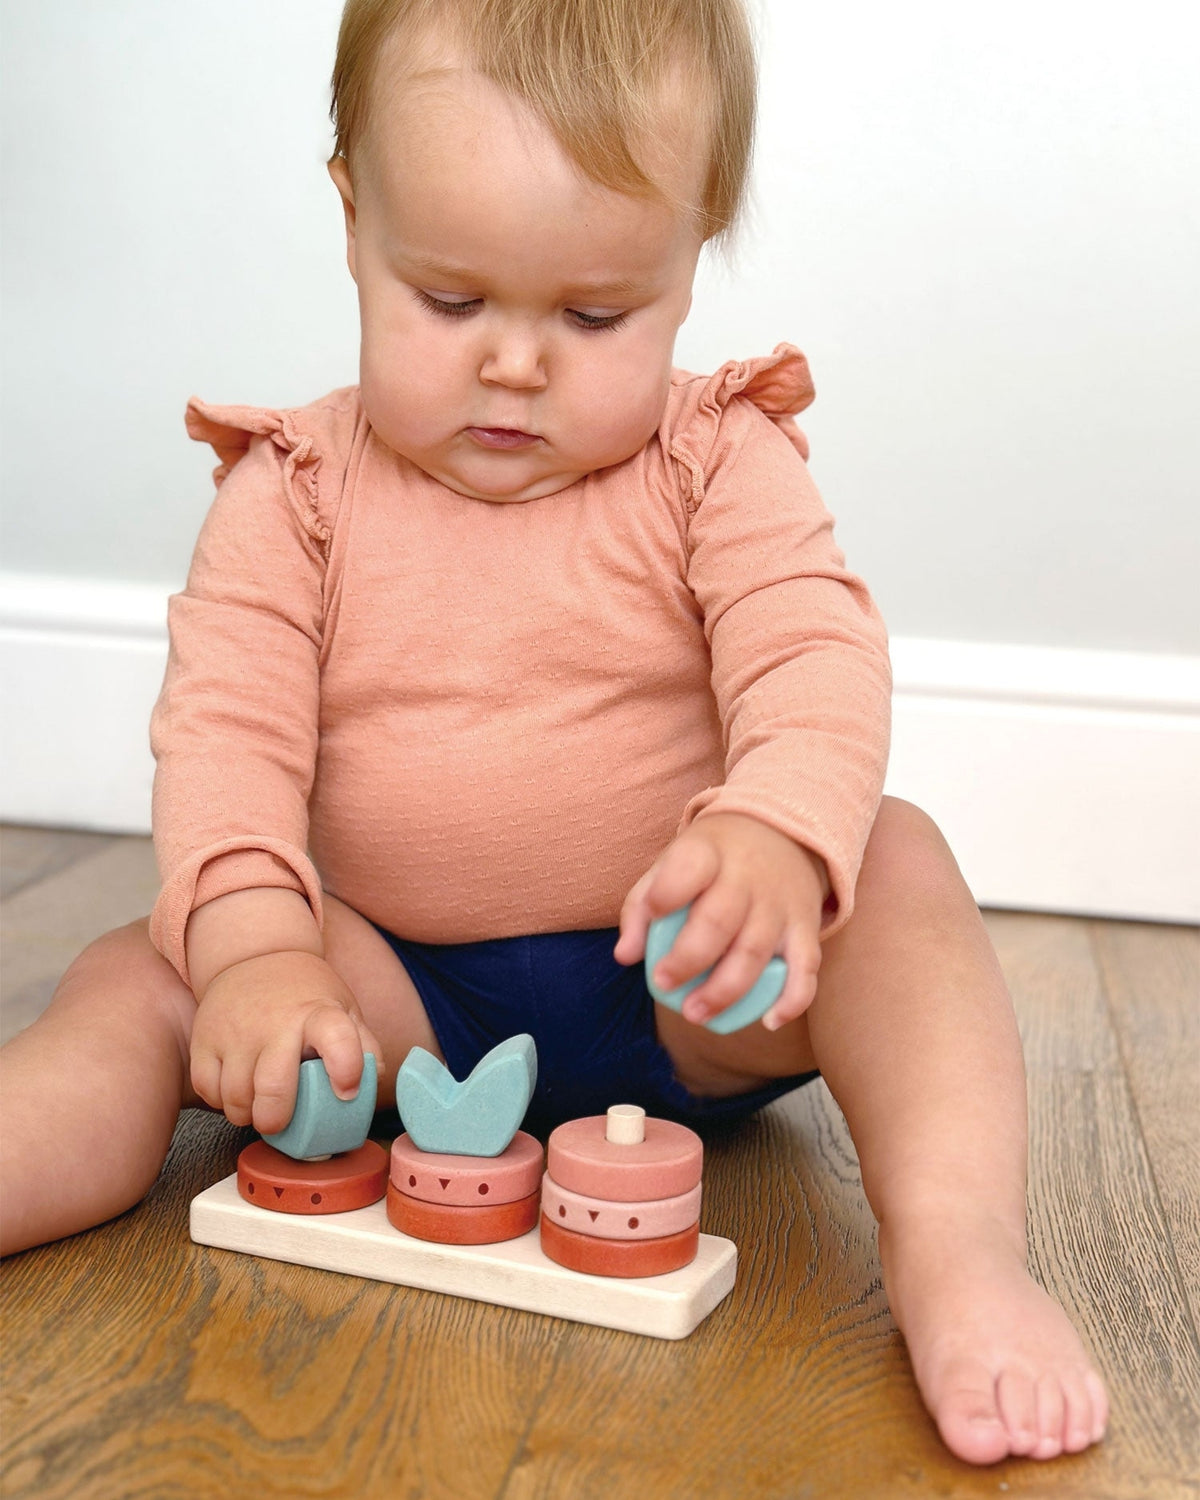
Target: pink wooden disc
x: 668, y: 1162
x: 269, y: 1179
x: 609, y: 1220
x: 450, y: 1224
x: 438, y: 1177
x: 596, y: 1257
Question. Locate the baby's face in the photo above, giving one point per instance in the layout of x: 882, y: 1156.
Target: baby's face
x: 518, y: 320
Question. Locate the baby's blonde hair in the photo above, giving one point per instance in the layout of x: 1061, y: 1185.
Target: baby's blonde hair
x: 598, y: 72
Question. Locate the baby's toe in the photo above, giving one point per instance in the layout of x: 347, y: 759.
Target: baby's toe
x: 1016, y: 1395
x: 1079, y: 1421
x: 1099, y: 1397
x: 968, y: 1416
x: 1051, y: 1409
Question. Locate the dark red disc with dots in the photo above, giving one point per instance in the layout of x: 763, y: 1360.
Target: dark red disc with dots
x: 269, y: 1179
x: 456, y: 1224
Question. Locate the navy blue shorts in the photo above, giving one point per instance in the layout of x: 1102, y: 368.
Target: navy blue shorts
x: 591, y: 1018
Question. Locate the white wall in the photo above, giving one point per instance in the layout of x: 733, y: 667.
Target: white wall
x: 981, y: 222
x: 169, y: 229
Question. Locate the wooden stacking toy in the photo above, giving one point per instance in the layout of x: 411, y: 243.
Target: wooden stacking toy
x: 621, y: 1194
x: 321, y: 1162
x: 621, y: 1201
x: 463, y: 1174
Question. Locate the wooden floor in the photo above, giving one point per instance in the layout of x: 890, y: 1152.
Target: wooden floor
x: 137, y: 1364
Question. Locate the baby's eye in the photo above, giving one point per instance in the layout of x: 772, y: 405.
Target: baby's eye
x: 448, y: 305
x: 598, y: 320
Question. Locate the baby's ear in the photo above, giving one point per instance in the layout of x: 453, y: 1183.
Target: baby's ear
x: 340, y: 172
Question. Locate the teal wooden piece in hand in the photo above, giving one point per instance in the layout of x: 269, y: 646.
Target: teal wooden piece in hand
x: 477, y: 1117
x: 752, y: 1006
x: 322, y: 1124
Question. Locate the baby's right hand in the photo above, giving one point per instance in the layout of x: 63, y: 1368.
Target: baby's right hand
x: 256, y: 1022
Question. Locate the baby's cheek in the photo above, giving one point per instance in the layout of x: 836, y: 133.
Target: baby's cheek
x: 404, y: 371
x: 615, y: 416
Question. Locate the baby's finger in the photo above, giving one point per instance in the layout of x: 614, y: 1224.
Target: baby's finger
x: 634, y: 922
x: 685, y: 869
x: 276, y: 1077
x: 206, y: 1076
x: 802, y: 954
x: 335, y: 1037
x: 714, y: 922
x: 237, y: 1089
x: 367, y: 1043
x: 688, y: 867
x: 735, y: 974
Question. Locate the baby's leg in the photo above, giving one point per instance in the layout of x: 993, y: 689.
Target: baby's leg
x: 917, y: 1040
x: 90, y: 1092
x: 914, y: 1032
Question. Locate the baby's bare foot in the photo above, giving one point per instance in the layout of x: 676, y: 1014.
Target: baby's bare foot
x: 998, y: 1363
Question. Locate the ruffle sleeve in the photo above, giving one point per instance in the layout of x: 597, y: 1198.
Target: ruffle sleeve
x: 234, y: 732
x: 799, y: 653
x: 230, y: 430
x: 779, y: 384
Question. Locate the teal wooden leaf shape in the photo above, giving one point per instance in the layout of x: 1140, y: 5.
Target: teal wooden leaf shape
x: 477, y: 1117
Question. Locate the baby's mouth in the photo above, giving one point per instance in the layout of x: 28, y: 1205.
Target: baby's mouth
x: 502, y: 437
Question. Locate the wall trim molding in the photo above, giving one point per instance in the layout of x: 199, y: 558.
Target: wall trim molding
x: 1065, y: 780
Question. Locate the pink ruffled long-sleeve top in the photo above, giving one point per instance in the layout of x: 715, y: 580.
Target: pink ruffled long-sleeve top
x: 472, y: 720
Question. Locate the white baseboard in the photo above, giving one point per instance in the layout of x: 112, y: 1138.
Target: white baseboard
x: 1065, y: 780
x: 81, y: 664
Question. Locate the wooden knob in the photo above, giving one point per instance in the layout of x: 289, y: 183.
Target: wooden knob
x: 625, y: 1124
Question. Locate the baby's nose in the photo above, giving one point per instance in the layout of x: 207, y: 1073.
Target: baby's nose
x: 515, y: 360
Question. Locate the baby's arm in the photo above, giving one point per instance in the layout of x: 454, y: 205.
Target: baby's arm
x: 768, y: 857
x: 266, y: 997
x: 754, y: 893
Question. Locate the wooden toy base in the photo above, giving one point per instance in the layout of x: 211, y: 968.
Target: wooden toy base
x: 514, y: 1273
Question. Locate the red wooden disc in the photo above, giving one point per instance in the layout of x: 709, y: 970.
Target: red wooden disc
x: 269, y: 1179
x: 452, y: 1224
x: 596, y: 1257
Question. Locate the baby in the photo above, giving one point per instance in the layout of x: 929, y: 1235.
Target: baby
x: 528, y: 640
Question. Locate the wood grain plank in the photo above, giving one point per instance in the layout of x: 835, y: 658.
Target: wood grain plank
x: 1152, y: 979
x: 1098, y: 1239
x: 796, y: 1361
x: 45, y: 926
x: 1098, y: 1243
x: 799, y: 1384
x: 150, y: 1366
x: 137, y: 1364
x: 29, y: 855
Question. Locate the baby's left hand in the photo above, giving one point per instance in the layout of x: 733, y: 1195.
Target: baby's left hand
x: 754, y: 893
